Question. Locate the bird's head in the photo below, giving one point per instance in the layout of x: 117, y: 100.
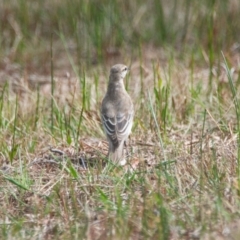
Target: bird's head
x: 118, y: 72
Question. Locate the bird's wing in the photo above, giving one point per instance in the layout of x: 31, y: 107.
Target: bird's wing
x: 124, y: 124
x: 118, y: 127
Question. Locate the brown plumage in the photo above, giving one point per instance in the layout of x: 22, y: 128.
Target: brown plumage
x: 117, y: 113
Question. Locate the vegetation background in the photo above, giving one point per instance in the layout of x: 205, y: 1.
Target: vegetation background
x: 182, y: 180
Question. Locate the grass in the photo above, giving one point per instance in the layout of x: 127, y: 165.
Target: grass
x: 182, y: 177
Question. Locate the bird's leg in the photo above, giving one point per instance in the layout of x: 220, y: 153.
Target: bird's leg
x: 126, y: 146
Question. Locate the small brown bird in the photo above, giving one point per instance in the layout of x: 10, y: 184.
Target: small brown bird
x: 117, y: 113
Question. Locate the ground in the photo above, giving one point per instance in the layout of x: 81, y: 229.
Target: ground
x: 182, y: 176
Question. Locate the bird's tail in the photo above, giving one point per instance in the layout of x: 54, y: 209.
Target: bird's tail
x: 116, y: 154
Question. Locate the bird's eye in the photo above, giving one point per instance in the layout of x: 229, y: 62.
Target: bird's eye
x: 125, y: 69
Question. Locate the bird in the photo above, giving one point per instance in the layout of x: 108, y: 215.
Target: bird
x: 117, y: 112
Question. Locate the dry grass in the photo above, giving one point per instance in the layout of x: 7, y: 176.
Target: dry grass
x: 182, y: 178
x: 64, y: 190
